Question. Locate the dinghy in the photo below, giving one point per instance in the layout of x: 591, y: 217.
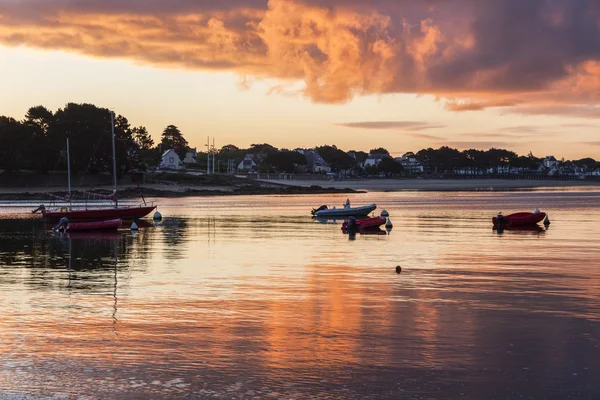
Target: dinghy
x: 519, y: 219
x: 345, y: 211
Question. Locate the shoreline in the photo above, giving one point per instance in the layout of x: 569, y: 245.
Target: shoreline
x: 291, y: 187
x: 444, y: 185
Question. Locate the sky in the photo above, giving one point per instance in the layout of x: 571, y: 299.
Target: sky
x: 360, y: 74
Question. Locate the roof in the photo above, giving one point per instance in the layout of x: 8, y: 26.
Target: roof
x: 168, y: 151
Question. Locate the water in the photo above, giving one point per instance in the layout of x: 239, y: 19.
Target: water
x: 248, y: 297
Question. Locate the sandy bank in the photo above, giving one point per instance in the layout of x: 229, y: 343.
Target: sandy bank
x: 390, y: 185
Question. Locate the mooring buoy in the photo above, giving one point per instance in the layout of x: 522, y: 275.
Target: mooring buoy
x: 134, y: 226
x: 398, y: 269
x: 157, y: 216
x: 547, y: 220
x: 388, y: 224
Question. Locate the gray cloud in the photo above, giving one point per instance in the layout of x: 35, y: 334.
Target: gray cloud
x: 404, y: 125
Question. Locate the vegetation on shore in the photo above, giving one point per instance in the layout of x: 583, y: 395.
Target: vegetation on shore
x: 38, y: 143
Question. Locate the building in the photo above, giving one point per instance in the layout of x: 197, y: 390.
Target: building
x: 315, y: 162
x: 191, y: 156
x: 170, y: 160
x: 373, y: 160
x: 411, y: 165
x: 550, y: 162
x: 247, y: 163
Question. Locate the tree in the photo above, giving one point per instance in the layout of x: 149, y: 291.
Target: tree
x: 379, y: 150
x: 285, y: 161
x: 173, y: 139
x: 389, y: 166
x: 44, y: 149
x: 337, y: 159
x: 15, y: 138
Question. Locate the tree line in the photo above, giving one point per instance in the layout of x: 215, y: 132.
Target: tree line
x: 38, y: 142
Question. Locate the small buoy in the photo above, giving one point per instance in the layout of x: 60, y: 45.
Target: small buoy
x: 385, y: 214
x: 398, y: 269
x: 547, y: 221
x: 157, y: 215
x: 388, y: 224
x: 134, y: 226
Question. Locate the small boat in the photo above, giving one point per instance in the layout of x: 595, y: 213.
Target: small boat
x: 363, y: 224
x: 97, y: 213
x: 345, y: 211
x: 105, y: 225
x: 519, y: 219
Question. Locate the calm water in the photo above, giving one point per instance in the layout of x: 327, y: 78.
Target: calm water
x: 248, y: 297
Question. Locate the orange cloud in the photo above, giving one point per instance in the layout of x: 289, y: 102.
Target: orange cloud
x: 348, y: 48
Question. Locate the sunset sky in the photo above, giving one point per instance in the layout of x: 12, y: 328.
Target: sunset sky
x: 402, y: 74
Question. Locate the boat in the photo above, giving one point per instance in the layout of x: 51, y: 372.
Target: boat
x: 105, y: 225
x: 97, y: 213
x: 519, y: 219
x: 363, y: 224
x: 345, y: 211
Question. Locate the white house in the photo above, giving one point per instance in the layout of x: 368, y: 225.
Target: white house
x: 316, y: 162
x: 373, y: 160
x: 247, y: 163
x: 550, y: 162
x: 411, y: 164
x: 190, y: 156
x: 170, y: 160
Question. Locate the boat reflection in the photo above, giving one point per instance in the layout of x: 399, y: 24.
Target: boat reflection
x: 520, y: 230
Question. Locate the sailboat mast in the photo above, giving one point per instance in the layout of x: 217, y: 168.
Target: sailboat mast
x: 69, y: 167
x: 114, y: 158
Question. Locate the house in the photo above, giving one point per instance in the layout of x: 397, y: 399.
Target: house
x: 373, y: 160
x: 550, y: 162
x: 191, y: 156
x: 315, y: 162
x: 247, y: 163
x: 411, y: 164
x: 170, y: 160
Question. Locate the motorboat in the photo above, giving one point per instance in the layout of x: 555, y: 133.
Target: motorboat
x: 345, y: 211
x: 105, y: 225
x: 519, y: 219
x: 363, y: 224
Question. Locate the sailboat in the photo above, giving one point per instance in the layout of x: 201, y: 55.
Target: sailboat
x: 98, y: 213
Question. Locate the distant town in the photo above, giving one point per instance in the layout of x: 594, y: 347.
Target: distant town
x: 38, y: 143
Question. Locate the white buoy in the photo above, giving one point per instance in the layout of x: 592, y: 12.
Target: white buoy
x: 388, y: 224
x: 384, y: 213
x: 157, y: 216
x: 134, y: 226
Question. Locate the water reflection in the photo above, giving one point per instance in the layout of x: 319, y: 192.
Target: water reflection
x: 264, y: 302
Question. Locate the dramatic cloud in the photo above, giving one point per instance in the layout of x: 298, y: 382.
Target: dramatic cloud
x: 581, y: 111
x: 473, y: 54
x: 404, y: 125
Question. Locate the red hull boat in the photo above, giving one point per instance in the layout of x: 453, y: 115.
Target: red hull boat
x: 100, y: 214
x: 361, y: 224
x: 111, y: 224
x: 519, y: 219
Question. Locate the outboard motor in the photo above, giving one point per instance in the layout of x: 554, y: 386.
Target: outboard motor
x: 323, y: 207
x: 352, y: 225
x: 40, y: 208
x: 500, y: 218
x: 62, y: 224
